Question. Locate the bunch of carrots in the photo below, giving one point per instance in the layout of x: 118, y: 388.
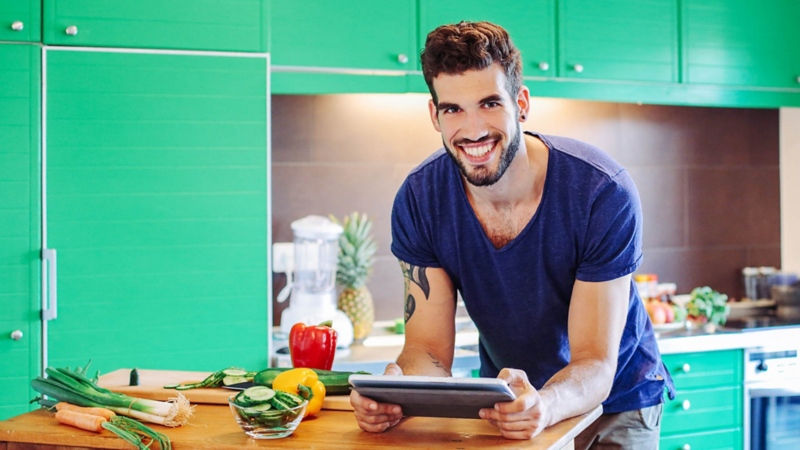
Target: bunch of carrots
x: 97, y: 419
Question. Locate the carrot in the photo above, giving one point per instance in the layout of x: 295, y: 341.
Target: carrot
x: 80, y: 420
x: 102, y: 412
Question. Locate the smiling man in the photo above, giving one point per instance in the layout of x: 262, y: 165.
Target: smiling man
x: 540, y: 235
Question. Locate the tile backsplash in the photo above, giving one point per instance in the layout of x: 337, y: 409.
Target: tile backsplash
x: 708, y: 177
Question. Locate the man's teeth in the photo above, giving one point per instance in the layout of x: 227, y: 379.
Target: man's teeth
x: 478, y: 151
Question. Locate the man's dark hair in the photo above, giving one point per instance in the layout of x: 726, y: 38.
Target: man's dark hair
x: 455, y: 49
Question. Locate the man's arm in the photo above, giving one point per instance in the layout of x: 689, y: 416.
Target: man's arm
x: 430, y: 309
x: 597, y: 316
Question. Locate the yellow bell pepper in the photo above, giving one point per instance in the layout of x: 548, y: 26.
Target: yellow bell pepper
x: 291, y: 380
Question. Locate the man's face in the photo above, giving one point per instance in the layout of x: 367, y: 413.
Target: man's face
x: 479, y: 122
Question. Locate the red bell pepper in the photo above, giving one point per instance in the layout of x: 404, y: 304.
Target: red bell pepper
x: 313, y: 347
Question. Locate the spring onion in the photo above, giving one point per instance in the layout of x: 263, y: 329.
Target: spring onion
x: 73, y: 387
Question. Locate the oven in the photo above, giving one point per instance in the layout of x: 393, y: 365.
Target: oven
x: 772, y: 396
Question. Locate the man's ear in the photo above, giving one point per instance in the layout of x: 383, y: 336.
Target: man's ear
x: 434, y: 111
x: 524, y: 103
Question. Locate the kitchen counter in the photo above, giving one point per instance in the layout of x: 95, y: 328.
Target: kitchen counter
x: 701, y: 340
x: 213, y: 427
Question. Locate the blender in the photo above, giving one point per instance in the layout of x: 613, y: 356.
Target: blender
x: 313, y: 289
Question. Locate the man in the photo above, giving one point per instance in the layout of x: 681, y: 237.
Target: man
x: 540, y: 236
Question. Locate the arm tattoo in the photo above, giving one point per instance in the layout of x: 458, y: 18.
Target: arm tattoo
x: 436, y: 362
x: 417, y: 276
x: 420, y: 280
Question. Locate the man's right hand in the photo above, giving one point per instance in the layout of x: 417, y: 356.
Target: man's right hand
x: 373, y: 416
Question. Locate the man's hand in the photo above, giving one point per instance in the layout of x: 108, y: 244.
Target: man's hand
x: 373, y: 416
x: 523, y: 418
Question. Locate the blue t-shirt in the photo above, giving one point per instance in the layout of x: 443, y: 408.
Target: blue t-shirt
x: 587, y: 227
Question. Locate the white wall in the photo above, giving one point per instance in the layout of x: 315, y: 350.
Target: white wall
x: 790, y: 188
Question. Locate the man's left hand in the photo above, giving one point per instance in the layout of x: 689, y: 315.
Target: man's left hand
x: 522, y: 418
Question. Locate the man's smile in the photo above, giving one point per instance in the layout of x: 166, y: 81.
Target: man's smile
x: 479, y: 152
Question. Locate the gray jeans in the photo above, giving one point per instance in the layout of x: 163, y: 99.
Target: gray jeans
x: 638, y: 429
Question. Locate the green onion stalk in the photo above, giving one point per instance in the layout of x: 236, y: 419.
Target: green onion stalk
x: 73, y: 387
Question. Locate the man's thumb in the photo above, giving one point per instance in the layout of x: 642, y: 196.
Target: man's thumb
x: 393, y: 369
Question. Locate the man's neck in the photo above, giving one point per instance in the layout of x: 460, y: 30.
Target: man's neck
x: 522, y: 182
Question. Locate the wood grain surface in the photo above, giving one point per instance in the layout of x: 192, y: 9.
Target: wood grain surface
x: 152, y: 382
x: 213, y: 427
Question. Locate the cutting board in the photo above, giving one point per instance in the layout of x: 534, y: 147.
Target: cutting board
x: 152, y: 382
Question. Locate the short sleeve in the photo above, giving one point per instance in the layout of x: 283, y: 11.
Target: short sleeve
x: 411, y: 241
x: 613, y: 243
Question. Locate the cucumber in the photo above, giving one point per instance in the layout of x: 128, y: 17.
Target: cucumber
x: 336, y: 383
x: 262, y: 407
x: 229, y: 380
x: 258, y: 393
x: 289, y: 398
x: 235, y: 372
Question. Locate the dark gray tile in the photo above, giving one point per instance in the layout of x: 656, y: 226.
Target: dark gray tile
x: 733, y: 206
x: 386, y: 286
x: 662, y: 194
x: 718, y: 268
x: 596, y: 123
x: 769, y: 256
x: 292, y: 127
x: 376, y: 128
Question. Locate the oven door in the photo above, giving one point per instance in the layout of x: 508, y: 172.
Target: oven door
x: 774, y: 415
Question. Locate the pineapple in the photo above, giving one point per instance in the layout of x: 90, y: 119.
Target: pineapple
x: 356, y: 256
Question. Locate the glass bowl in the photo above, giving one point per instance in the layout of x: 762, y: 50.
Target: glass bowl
x: 269, y: 424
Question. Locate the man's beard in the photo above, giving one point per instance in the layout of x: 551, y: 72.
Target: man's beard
x: 482, y: 176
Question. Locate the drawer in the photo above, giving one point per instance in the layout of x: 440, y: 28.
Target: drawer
x: 703, y: 409
x: 20, y: 20
x: 732, y: 439
x: 705, y: 369
x: 232, y: 25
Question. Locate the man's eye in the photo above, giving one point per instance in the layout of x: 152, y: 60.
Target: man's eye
x: 450, y: 110
x: 491, y: 104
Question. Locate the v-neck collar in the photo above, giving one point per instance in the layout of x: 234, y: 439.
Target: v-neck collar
x: 524, y: 231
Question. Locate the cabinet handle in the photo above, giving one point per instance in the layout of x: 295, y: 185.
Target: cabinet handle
x: 798, y: 79
x: 402, y: 59
x: 17, y: 26
x: 49, y: 255
x: 686, y: 405
x: 543, y: 66
x: 686, y: 447
x: 72, y: 30
x: 686, y: 368
x: 577, y: 68
x: 16, y: 335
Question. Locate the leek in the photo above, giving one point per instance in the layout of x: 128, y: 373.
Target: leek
x: 73, y: 387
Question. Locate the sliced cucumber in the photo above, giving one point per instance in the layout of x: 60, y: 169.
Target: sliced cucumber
x: 262, y: 407
x: 229, y: 380
x: 290, y: 399
x: 259, y: 393
x: 235, y: 372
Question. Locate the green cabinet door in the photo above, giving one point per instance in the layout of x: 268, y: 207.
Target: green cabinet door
x: 741, y: 42
x: 21, y: 20
x: 732, y: 439
x: 232, y: 25
x: 156, y: 202
x: 344, y: 34
x: 20, y: 326
x: 530, y: 23
x: 627, y: 40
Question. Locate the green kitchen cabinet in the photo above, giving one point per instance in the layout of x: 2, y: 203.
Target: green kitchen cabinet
x: 225, y: 25
x: 321, y: 46
x: 741, y: 42
x: 21, y: 20
x: 531, y: 24
x: 157, y: 203
x: 20, y: 182
x: 621, y: 40
x: 708, y: 410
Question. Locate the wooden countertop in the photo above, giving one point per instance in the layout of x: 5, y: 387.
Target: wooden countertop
x: 213, y: 427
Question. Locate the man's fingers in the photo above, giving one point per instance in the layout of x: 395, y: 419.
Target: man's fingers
x: 393, y: 369
x: 522, y: 435
x: 368, y: 406
x: 379, y: 418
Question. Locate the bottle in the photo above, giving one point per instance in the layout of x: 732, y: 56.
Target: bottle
x: 750, y: 281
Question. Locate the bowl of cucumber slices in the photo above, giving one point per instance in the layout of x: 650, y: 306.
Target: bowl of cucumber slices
x: 264, y: 413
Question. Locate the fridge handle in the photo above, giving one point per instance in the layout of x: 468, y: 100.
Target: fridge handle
x: 51, y: 312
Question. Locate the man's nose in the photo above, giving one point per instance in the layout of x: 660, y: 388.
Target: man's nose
x: 475, y: 127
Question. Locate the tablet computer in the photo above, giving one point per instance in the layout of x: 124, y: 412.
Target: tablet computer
x: 434, y: 396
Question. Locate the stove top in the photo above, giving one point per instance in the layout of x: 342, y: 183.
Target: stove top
x: 760, y: 322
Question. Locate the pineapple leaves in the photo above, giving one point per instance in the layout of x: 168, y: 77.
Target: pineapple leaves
x: 357, y: 249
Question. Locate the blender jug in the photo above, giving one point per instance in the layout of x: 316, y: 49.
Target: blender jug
x: 313, y: 295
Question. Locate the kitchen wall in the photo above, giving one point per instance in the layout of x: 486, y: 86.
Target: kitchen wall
x: 708, y: 177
